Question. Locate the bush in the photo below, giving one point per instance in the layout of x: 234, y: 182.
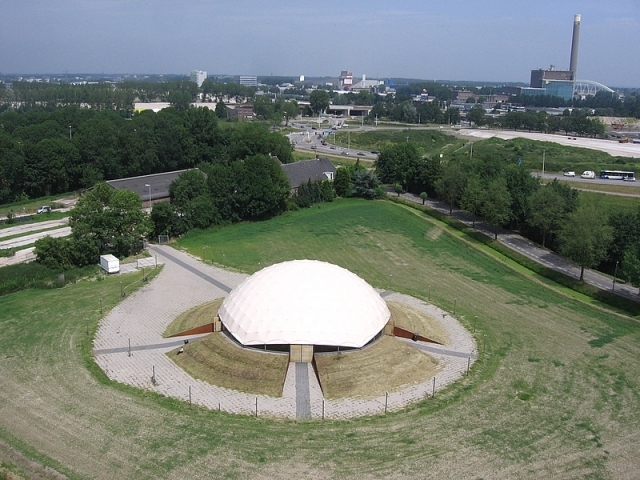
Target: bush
x: 14, y: 278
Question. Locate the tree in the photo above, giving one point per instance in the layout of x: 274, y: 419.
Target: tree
x: 397, y: 188
x: 342, y: 182
x: 631, y: 266
x: 112, y: 220
x: 473, y: 198
x: 399, y: 163
x: 262, y: 188
x: 319, y: 101
x: 477, y: 114
x: 452, y: 116
x: 451, y: 185
x: 521, y: 185
x: 222, y: 111
x: 187, y: 187
x: 165, y: 220
x: 366, y: 185
x: 326, y: 191
x: 585, y: 236
x: 423, y: 196
x: 547, y: 208
x: 496, y: 205
x: 290, y: 110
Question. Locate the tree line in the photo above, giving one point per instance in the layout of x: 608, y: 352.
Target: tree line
x: 45, y: 152
x: 504, y: 193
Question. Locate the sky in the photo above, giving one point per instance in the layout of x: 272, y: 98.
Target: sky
x: 480, y: 40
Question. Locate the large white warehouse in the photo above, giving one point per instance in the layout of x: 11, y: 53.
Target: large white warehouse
x: 304, y: 302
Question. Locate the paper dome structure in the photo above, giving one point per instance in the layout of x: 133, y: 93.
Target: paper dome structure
x: 304, y: 302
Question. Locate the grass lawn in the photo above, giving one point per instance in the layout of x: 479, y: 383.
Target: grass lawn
x: 197, y: 316
x: 555, y: 394
x: 217, y: 360
x: 387, y: 365
x: 413, y: 320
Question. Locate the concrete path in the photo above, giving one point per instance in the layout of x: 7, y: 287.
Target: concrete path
x: 184, y: 283
x: 303, y: 395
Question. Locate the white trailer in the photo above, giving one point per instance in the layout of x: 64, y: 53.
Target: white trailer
x: 109, y: 263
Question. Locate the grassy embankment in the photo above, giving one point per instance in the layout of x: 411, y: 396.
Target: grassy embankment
x: 555, y: 394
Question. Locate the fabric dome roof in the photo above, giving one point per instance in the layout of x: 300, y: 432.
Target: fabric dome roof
x: 304, y: 302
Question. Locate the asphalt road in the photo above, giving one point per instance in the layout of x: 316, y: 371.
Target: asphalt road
x: 311, y: 141
x: 30, y: 227
x: 29, y: 239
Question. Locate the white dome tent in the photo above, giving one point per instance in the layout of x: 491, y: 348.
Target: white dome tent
x: 304, y: 302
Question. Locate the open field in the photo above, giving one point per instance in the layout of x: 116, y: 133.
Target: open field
x: 387, y: 365
x: 218, y: 361
x: 554, y: 394
x: 197, y: 316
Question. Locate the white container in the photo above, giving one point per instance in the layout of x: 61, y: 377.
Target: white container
x: 109, y: 263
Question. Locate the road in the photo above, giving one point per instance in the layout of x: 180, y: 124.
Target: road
x: 29, y: 239
x: 30, y: 227
x: 311, y: 141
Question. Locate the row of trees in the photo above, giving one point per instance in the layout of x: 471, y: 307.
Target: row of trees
x: 604, y: 103
x: 575, y: 122
x: 251, y: 189
x: 49, y: 152
x: 506, y: 195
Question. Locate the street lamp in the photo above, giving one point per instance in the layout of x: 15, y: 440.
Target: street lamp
x: 69, y: 132
x: 615, y: 272
x: 149, y: 186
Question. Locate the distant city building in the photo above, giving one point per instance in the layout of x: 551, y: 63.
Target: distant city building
x: 365, y: 84
x: 346, y: 80
x: 249, y: 80
x: 198, y: 77
x: 564, y: 83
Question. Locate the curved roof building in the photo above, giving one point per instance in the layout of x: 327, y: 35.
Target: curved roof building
x: 304, y: 302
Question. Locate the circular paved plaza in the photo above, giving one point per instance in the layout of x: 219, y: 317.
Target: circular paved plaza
x: 184, y: 283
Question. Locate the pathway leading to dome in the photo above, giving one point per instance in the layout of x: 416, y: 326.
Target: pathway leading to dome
x: 184, y: 283
x: 303, y: 396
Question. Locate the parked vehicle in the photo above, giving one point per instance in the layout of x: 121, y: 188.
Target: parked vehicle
x: 110, y: 263
x: 44, y: 209
x: 588, y: 174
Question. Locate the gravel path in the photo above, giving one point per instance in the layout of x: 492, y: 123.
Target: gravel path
x: 184, y: 283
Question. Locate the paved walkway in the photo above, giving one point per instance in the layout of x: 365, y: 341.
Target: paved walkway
x: 184, y: 283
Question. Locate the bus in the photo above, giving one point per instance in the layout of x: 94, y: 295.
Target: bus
x: 617, y: 175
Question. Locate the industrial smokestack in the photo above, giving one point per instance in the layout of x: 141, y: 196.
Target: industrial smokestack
x: 573, y: 67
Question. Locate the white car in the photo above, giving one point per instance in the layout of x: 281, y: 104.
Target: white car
x: 588, y: 174
x: 569, y: 174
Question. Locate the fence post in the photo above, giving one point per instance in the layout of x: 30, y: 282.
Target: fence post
x: 189, y: 394
x: 433, y: 394
x: 256, y: 407
x: 386, y: 401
